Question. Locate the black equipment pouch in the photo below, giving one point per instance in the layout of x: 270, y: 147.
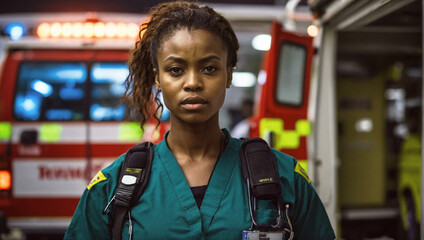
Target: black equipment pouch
x: 262, y: 179
x: 133, y: 180
x: 258, y: 164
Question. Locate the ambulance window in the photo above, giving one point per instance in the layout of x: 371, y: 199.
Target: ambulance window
x: 166, y: 114
x: 291, y: 73
x: 107, y: 88
x: 50, y: 91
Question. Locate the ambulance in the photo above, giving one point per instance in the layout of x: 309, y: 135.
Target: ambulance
x: 61, y: 119
x: 343, y: 104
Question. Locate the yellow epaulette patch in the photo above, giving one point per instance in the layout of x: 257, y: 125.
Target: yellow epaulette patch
x: 96, y: 179
x: 302, y: 172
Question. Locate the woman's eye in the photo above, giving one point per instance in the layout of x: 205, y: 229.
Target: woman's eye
x: 209, y: 69
x: 175, y: 70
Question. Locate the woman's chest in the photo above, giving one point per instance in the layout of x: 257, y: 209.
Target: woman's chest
x: 168, y: 209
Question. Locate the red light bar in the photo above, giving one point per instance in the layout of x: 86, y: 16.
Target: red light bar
x: 87, y: 30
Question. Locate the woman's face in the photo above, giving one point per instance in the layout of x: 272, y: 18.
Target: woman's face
x: 193, y: 75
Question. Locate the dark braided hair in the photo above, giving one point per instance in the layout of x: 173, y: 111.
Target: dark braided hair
x: 165, y: 19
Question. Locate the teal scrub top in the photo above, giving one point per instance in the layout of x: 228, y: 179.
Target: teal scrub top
x: 168, y: 210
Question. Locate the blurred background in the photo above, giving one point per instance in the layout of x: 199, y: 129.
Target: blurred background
x: 337, y: 84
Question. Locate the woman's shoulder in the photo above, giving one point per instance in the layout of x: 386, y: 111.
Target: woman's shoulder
x: 289, y: 166
x: 114, y: 167
x: 106, y: 177
x: 285, y: 165
x: 284, y: 159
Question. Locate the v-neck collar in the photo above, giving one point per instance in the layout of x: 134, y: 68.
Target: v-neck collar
x: 218, y: 182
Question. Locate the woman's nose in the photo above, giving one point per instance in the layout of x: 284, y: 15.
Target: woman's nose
x: 193, y: 82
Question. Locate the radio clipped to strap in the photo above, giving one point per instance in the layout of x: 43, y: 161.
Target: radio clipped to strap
x: 262, y: 178
x: 133, y: 180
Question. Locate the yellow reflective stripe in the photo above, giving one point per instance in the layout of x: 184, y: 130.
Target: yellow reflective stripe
x: 299, y: 169
x: 96, y: 179
x: 270, y: 125
x: 5, y: 130
x: 289, y: 139
x: 130, y: 132
x: 304, y: 164
x: 50, y: 132
x: 303, y: 127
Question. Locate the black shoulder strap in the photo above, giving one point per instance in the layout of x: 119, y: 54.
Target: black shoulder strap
x: 262, y: 178
x: 258, y: 164
x: 133, y: 179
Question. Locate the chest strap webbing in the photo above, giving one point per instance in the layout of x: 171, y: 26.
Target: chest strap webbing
x: 133, y: 179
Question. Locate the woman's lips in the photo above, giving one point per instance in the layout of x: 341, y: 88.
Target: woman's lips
x: 193, y: 103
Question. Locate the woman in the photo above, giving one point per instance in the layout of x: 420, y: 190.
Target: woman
x: 196, y: 188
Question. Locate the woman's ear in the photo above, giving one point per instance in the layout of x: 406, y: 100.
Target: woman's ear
x: 157, y: 79
x: 229, y: 76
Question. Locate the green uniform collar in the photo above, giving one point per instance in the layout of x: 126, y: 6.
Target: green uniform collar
x: 217, y: 183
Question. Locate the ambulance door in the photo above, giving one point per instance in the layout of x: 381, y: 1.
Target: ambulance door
x: 283, y: 107
x: 44, y: 102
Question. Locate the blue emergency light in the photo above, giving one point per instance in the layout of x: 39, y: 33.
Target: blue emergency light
x: 15, y: 30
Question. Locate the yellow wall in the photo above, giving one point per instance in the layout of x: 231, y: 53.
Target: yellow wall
x: 362, y: 161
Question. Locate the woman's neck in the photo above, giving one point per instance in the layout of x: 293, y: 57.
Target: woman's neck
x: 195, y: 142
x: 196, y: 152
x: 196, y: 147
